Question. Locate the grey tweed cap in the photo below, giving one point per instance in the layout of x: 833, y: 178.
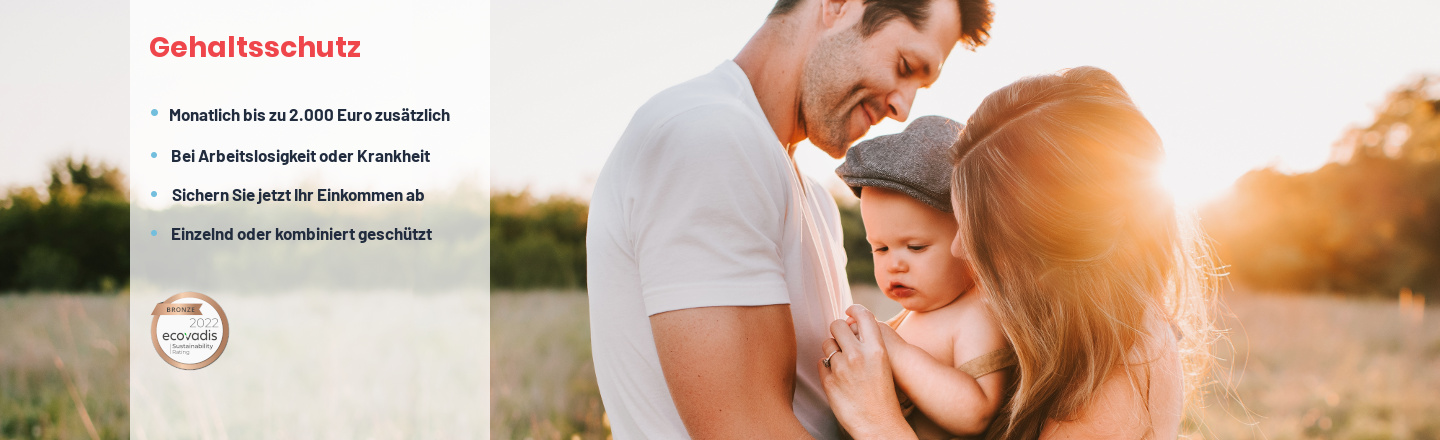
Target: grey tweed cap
x: 915, y: 161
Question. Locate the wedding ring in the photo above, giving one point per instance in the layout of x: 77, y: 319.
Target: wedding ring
x: 827, y: 358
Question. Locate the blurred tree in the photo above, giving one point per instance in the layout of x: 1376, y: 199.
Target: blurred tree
x: 1364, y: 223
x: 73, y: 237
x: 861, y: 267
x: 1406, y: 126
x: 537, y: 244
x: 541, y: 244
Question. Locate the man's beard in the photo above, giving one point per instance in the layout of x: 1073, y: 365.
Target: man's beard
x: 829, y: 91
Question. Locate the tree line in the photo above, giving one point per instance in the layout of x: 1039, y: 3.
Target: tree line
x: 1366, y: 223
x: 540, y: 243
x: 73, y: 236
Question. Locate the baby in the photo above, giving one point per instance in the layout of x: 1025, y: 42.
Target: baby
x: 949, y: 358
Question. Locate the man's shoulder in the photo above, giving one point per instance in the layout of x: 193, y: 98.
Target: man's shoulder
x: 712, y: 102
x: 705, y: 130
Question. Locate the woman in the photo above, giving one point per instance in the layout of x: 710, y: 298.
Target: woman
x: 1097, y: 284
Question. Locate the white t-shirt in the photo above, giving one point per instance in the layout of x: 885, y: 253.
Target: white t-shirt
x: 699, y: 206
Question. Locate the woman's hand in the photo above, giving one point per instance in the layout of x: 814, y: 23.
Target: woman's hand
x: 858, y: 380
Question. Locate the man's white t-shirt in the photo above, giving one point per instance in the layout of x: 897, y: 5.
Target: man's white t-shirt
x: 698, y: 206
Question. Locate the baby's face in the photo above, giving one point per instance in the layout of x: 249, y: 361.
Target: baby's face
x: 911, y: 244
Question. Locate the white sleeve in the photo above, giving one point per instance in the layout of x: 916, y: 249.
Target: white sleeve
x: 709, y: 213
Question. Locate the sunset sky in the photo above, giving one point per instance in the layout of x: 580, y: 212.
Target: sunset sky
x: 1231, y: 85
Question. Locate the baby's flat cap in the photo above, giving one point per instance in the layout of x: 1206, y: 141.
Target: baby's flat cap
x: 915, y: 161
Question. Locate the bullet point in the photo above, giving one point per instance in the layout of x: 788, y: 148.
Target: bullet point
x: 152, y: 232
x: 154, y: 112
x: 152, y: 194
x: 152, y: 154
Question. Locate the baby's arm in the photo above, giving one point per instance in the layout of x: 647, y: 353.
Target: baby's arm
x: 949, y: 397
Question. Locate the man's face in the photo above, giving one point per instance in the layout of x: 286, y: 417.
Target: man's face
x: 850, y: 83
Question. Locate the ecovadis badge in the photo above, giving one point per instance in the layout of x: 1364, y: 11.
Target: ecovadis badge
x: 189, y: 330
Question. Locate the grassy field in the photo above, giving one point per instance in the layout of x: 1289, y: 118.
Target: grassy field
x: 370, y: 365
x: 542, y: 382
x: 1301, y: 367
x: 324, y: 364
x: 64, y: 367
x: 1328, y: 367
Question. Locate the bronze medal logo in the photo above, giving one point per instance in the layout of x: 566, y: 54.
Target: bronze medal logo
x: 189, y: 330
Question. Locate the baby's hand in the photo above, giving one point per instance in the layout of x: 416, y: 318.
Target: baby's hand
x: 887, y: 334
x: 891, y: 338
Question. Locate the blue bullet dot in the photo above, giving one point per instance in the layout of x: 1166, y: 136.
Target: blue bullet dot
x: 152, y: 193
x: 152, y: 232
x: 152, y: 154
x: 154, y: 112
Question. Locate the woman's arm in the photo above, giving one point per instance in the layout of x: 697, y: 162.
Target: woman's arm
x: 858, y: 380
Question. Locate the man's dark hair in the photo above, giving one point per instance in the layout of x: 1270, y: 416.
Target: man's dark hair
x: 975, y: 16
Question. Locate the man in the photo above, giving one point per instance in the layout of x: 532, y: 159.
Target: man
x: 711, y: 260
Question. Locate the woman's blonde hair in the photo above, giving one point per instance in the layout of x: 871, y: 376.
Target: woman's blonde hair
x: 1064, y: 219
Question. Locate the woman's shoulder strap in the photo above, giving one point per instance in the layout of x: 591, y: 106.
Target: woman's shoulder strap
x: 989, y: 362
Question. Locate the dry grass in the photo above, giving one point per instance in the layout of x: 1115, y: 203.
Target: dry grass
x: 323, y: 364
x: 1307, y: 367
x: 1326, y: 367
x: 542, y: 380
x: 64, y: 367
x: 1304, y: 367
